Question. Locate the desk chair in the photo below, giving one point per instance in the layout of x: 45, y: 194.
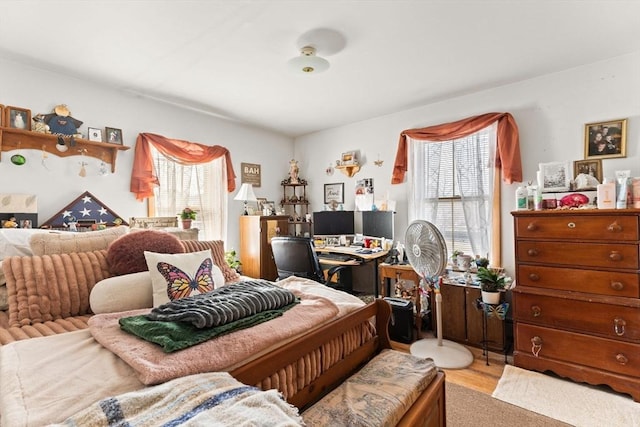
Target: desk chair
x: 296, y: 256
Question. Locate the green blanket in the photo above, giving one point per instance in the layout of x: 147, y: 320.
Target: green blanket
x: 173, y: 336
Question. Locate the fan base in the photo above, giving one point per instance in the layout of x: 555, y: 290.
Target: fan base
x: 449, y: 355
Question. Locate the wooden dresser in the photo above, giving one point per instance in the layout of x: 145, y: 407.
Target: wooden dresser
x: 577, y: 298
x: 255, y: 244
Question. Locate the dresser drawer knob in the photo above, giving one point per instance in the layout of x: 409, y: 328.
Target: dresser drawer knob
x: 622, y: 359
x: 618, y: 326
x: 534, y: 277
x: 617, y: 286
x: 536, y: 345
x: 614, y: 228
x: 532, y: 252
x: 536, y: 311
x: 571, y: 225
x: 615, y: 256
x: 532, y: 227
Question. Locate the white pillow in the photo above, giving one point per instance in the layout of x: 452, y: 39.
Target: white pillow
x: 15, y: 241
x: 122, y: 293
x: 175, y: 276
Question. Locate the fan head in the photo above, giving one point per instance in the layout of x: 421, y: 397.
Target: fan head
x: 426, y: 249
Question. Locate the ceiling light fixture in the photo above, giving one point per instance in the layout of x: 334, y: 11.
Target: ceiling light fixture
x: 308, y: 62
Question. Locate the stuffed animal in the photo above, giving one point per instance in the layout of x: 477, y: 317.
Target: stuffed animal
x: 11, y: 223
x: 60, y: 121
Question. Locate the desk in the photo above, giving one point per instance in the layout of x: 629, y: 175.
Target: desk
x: 359, y: 259
x: 399, y: 272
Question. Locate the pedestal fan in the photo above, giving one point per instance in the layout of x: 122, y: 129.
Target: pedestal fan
x: 427, y: 254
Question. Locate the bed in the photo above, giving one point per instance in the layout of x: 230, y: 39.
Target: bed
x: 45, y: 380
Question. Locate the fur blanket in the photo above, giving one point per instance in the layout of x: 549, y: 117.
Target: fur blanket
x: 206, y: 399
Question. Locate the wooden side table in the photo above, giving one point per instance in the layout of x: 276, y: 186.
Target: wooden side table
x: 397, y: 272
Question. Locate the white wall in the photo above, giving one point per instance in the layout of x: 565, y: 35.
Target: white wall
x: 99, y: 106
x: 550, y: 111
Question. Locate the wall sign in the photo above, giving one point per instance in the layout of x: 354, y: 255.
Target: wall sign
x: 250, y: 174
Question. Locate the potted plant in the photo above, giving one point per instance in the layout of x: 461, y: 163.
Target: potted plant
x: 187, y: 215
x: 232, y: 260
x: 454, y: 257
x: 492, y: 281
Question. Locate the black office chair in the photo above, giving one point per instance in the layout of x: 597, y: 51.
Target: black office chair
x: 296, y: 256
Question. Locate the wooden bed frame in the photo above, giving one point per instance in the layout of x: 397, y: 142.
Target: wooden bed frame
x: 283, y: 367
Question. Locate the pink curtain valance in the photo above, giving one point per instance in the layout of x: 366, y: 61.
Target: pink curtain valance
x: 508, y: 145
x: 143, y: 175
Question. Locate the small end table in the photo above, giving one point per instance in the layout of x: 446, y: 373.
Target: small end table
x: 397, y: 272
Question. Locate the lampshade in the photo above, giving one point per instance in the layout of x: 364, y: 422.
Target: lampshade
x: 246, y: 193
x: 308, y: 62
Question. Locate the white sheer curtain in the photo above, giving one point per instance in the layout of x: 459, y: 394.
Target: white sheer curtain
x: 200, y: 187
x: 451, y: 186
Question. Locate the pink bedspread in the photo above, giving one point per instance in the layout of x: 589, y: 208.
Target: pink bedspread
x: 224, y: 353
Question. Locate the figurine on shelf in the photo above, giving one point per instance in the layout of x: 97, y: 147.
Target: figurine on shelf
x: 293, y: 171
x: 10, y: 223
x: 61, y: 123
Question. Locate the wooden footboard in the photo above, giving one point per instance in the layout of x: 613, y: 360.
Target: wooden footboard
x: 307, y: 368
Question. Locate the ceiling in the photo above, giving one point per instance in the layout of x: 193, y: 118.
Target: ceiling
x: 228, y: 58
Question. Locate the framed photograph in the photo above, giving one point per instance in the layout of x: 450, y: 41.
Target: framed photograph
x: 261, y: 201
x: 114, y: 136
x: 94, y: 134
x: 605, y: 140
x: 269, y: 208
x: 17, y: 118
x: 556, y: 176
x: 349, y: 158
x: 334, y: 193
x: 592, y: 167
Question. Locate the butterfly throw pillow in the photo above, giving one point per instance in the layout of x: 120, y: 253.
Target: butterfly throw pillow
x: 175, y: 276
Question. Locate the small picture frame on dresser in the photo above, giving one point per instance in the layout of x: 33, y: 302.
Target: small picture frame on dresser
x: 556, y: 176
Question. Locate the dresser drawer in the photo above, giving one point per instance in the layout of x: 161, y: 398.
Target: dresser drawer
x: 600, y: 353
x: 607, y: 255
x: 578, y: 227
x: 614, y: 321
x: 580, y: 280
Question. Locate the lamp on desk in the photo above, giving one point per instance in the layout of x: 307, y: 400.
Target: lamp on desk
x: 246, y: 194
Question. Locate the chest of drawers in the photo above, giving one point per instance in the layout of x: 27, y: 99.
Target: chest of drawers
x: 576, y: 304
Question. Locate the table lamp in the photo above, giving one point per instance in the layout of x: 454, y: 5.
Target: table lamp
x: 246, y: 194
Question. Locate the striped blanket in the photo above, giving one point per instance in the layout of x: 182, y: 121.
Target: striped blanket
x: 211, y: 399
x: 225, y: 304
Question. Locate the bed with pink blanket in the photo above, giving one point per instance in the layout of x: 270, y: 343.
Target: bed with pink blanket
x: 45, y: 380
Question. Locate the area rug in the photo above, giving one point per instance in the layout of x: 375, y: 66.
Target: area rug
x: 577, y: 404
x: 469, y: 408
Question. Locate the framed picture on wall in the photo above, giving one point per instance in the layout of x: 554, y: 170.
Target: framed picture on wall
x: 605, y: 140
x: 556, y: 176
x: 334, y: 193
x: 17, y: 118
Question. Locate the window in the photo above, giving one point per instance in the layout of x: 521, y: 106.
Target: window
x: 452, y: 187
x: 201, y: 187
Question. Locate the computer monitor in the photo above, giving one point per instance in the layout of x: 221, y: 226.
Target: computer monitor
x: 378, y: 224
x: 333, y: 223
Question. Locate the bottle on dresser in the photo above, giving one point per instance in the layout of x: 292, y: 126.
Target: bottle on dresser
x: 606, y: 194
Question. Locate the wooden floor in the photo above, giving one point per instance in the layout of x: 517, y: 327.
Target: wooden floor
x: 478, y: 376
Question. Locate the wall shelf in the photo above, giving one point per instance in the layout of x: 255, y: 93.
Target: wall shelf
x: 349, y: 170
x: 17, y: 139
